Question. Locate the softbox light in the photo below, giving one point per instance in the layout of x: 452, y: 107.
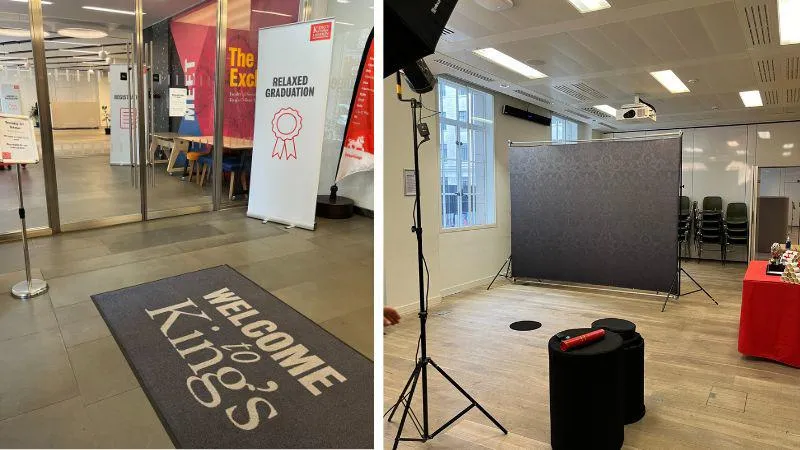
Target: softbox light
x: 412, y: 29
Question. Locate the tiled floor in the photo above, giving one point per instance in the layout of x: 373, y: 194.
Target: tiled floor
x: 65, y: 382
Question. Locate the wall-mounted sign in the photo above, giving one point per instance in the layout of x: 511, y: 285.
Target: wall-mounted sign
x: 17, y: 140
x: 123, y: 117
x: 409, y: 183
x: 177, y: 102
x: 10, y: 99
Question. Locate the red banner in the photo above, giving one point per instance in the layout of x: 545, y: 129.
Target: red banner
x: 358, y: 145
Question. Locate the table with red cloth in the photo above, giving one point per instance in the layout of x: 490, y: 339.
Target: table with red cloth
x: 769, y: 325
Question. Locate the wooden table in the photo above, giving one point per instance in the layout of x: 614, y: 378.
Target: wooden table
x: 174, y: 141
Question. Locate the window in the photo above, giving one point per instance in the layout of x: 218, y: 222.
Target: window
x: 466, y: 137
x: 563, y: 129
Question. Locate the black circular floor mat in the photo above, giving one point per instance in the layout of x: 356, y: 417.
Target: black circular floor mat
x: 525, y: 325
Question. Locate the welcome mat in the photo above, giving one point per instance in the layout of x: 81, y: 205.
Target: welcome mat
x: 228, y: 365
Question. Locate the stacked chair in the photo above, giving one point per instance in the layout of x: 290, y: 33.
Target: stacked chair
x: 685, y: 224
x: 736, y: 226
x: 709, y: 226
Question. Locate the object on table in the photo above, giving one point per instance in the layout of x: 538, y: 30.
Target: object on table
x: 582, y: 340
x: 776, y: 250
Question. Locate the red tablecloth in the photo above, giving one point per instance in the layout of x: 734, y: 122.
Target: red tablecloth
x: 769, y: 325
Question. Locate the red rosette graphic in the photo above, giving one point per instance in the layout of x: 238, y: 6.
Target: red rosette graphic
x: 285, y: 132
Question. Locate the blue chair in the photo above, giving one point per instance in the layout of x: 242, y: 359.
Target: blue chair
x: 230, y: 164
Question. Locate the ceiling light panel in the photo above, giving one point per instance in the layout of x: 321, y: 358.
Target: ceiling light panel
x: 500, y: 58
x: 111, y: 10
x: 82, y: 33
x: 788, y: 19
x: 611, y: 111
x: 751, y: 99
x: 585, y: 6
x: 764, y: 135
x: 669, y: 80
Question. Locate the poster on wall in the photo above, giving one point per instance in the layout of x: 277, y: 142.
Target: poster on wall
x: 10, y: 99
x: 290, y: 120
x: 358, y: 145
x: 177, y: 102
x: 123, y: 117
x: 17, y: 140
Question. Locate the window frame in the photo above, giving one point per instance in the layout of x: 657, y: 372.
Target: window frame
x: 470, y: 128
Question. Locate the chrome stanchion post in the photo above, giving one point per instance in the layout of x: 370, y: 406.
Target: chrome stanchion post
x: 31, y: 287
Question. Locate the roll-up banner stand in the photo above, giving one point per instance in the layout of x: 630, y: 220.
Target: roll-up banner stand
x: 123, y: 117
x: 292, y: 94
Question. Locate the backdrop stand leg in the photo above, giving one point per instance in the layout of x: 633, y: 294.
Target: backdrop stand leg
x: 507, y: 266
x: 31, y: 287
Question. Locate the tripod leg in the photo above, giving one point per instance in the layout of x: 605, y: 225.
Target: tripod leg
x: 407, y: 407
x: 698, y: 285
x: 469, y: 397
x: 393, y: 409
x: 669, y: 292
x: 498, y: 272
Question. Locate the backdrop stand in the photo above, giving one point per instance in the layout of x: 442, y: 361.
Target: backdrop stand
x: 507, y: 275
x: 31, y: 287
x: 678, y: 294
x: 420, y: 371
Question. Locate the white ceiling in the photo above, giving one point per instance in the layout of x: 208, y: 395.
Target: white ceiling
x: 68, y: 13
x: 605, y: 57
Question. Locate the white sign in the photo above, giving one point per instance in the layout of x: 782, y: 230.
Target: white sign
x: 177, y: 102
x: 123, y: 116
x: 10, y: 99
x: 17, y: 140
x: 291, y: 96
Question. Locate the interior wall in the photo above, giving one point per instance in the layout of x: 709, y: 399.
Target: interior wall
x: 459, y: 259
x: 104, y: 95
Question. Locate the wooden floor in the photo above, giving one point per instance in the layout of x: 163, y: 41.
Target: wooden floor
x: 699, y: 391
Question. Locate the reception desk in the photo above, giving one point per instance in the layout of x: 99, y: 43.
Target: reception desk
x: 769, y: 325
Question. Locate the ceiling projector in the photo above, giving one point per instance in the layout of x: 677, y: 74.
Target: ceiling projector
x: 639, y: 110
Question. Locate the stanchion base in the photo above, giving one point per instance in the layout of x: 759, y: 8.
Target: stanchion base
x: 21, y: 289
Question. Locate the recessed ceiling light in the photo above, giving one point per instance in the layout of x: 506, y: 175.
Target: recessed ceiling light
x: 788, y: 146
x: 111, y: 10
x: 77, y: 51
x: 15, y: 32
x: 669, y: 80
x: 733, y: 143
x: 345, y: 23
x: 740, y: 152
x: 585, y: 6
x: 786, y: 153
x: 504, y: 85
x: 715, y: 107
x: 788, y: 18
x: 611, y: 111
x: 26, y: 1
x: 751, y: 99
x: 274, y: 13
x: 82, y: 33
x: 764, y: 134
x: 500, y: 58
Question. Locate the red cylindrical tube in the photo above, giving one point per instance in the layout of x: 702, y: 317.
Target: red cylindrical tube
x: 580, y: 341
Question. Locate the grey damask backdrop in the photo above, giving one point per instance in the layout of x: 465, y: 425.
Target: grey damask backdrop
x: 603, y: 212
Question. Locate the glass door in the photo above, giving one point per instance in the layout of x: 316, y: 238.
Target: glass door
x: 90, y: 77
x: 180, y: 67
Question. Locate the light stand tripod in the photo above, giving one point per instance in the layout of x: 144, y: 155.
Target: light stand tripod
x: 421, y: 368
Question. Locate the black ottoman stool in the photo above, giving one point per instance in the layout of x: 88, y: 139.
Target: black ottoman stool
x: 586, y: 407
x: 633, y: 356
